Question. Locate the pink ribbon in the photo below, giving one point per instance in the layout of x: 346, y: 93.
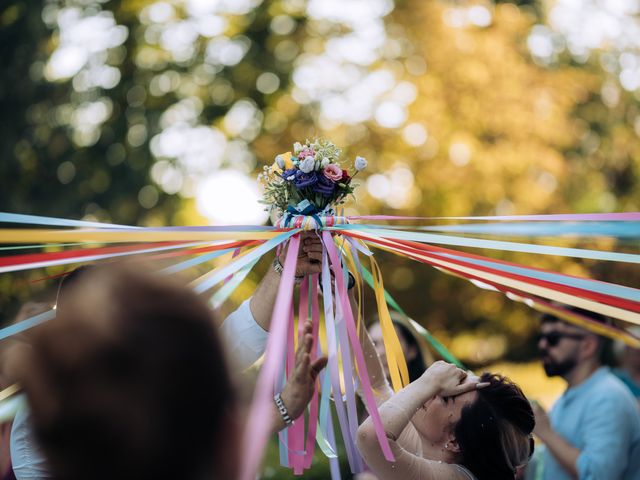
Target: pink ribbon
x: 356, y: 348
x: 575, y: 217
x: 334, y: 372
x: 260, y: 419
x: 314, y: 405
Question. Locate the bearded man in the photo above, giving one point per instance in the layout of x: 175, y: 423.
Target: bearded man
x: 593, y: 430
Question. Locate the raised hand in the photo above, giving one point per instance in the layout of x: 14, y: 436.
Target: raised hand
x: 298, y: 391
x: 450, y: 380
x: 543, y: 424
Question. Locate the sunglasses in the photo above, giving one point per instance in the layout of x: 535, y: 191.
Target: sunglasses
x: 553, y: 338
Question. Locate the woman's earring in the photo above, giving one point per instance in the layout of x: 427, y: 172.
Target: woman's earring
x: 446, y: 446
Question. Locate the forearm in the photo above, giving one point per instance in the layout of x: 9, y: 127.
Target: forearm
x: 565, y: 453
x: 264, y: 299
x: 395, y: 415
x: 397, y: 411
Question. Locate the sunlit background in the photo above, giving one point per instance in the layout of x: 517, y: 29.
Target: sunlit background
x: 163, y: 113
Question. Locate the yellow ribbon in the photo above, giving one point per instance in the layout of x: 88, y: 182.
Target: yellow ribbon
x: 82, y: 235
x: 395, y: 357
x: 7, y: 392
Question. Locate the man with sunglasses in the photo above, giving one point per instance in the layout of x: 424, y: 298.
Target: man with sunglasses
x: 593, y: 430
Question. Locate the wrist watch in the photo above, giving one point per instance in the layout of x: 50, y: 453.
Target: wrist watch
x: 284, y: 413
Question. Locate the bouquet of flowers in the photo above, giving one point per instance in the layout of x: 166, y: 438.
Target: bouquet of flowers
x: 309, y: 181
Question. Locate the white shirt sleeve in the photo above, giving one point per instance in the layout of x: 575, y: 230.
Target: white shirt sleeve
x: 27, y: 460
x: 245, y: 339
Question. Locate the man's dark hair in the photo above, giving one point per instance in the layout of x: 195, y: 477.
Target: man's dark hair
x: 130, y: 382
x: 597, y: 317
x: 494, y: 432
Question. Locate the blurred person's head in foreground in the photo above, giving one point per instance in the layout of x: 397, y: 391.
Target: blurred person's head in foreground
x: 130, y: 382
x: 565, y: 347
x: 413, y: 355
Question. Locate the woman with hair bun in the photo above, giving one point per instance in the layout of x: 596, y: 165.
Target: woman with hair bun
x: 448, y: 424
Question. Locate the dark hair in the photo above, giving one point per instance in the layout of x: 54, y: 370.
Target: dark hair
x: 494, y: 432
x: 596, y: 317
x: 130, y: 382
x: 416, y: 365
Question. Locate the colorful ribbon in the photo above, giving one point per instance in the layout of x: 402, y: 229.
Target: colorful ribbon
x: 432, y: 244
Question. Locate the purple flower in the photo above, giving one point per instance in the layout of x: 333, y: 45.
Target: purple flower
x: 324, y: 186
x: 290, y: 174
x: 305, y: 179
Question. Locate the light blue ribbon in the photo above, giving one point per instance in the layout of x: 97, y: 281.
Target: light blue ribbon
x: 27, y: 324
x: 228, y: 288
x: 628, y: 230
x: 497, y: 245
x: 611, y: 289
x: 236, y: 265
x: 54, y: 222
x: 178, y: 267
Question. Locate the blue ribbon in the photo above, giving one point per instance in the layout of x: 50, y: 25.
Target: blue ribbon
x: 306, y: 208
x: 626, y: 230
x: 6, y: 217
x: 27, y: 324
x: 496, y: 244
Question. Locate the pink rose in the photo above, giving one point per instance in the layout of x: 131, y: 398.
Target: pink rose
x: 306, y: 152
x: 333, y: 172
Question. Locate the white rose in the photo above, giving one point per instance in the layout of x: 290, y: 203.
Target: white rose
x: 280, y: 161
x: 297, y: 148
x: 360, y: 163
x: 308, y: 164
x: 325, y: 162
